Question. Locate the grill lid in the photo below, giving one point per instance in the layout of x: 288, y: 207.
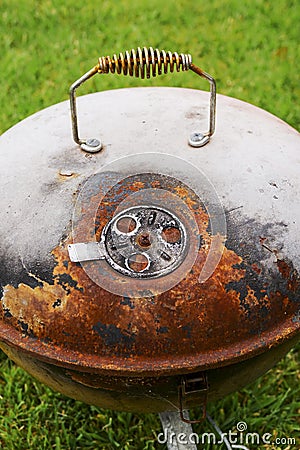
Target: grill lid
x: 149, y: 257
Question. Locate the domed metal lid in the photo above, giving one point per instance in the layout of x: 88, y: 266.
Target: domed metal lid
x: 187, y: 259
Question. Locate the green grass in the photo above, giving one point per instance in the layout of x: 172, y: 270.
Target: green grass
x: 252, y: 48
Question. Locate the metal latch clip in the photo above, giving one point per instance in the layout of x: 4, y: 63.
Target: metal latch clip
x: 193, y: 388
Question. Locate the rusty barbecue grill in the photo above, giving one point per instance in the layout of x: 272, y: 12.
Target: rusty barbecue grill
x: 150, y: 267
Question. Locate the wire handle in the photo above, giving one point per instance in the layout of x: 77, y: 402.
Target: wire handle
x: 140, y: 63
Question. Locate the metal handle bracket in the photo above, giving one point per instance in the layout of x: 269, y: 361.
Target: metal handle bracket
x: 139, y: 63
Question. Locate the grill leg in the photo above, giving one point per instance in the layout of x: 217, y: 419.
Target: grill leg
x: 176, y: 433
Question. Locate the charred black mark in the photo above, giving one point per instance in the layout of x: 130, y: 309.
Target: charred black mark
x: 242, y: 286
x: 25, y: 328
x: 65, y: 333
x: 67, y: 282
x: 168, y: 345
x: 264, y: 311
x: 112, y: 335
x: 188, y: 330
x: 46, y: 340
x: 296, y: 318
x: 7, y: 313
x: 162, y: 330
x: 66, y: 234
x: 13, y: 272
x: 253, y: 242
x: 157, y: 318
x: 56, y: 303
x: 127, y: 301
x: 44, y: 271
x: 16, y: 274
x: 24, y: 325
x: 201, y: 241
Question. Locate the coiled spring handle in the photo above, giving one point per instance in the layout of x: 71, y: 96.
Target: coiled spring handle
x: 140, y: 63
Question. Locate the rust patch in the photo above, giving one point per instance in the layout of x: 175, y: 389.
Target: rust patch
x: 138, y: 263
x: 171, y: 234
x: 144, y: 240
x: 289, y: 274
x: 256, y: 268
x: 126, y: 225
x: 193, y: 324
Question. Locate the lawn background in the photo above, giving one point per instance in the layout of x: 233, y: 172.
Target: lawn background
x: 252, y: 49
